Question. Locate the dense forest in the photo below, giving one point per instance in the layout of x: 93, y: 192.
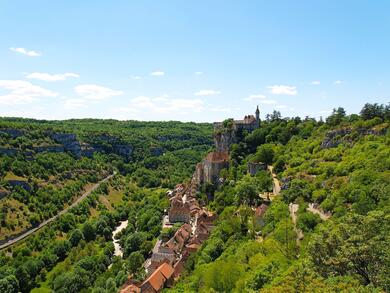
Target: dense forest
x: 326, y: 231
x: 47, y: 165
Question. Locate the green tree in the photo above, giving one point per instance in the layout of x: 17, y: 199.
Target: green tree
x: 355, y: 245
x: 75, y: 237
x: 89, y: 231
x: 135, y: 262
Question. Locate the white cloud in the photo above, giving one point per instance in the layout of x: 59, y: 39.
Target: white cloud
x: 218, y: 109
x: 25, y: 52
x: 136, y: 77
x: 158, y: 73
x: 72, y: 104
x: 51, y: 77
x: 207, y: 93
x: 315, y: 82
x: 281, y: 107
x: 283, y: 90
x: 22, y: 92
x: 338, y: 82
x: 256, y: 97
x: 95, y: 92
x: 268, y: 102
x: 198, y: 73
x: 162, y: 104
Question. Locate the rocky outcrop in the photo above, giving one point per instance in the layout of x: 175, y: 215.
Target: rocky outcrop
x: 3, y: 192
x: 335, y: 137
x: 254, y: 167
x: 8, y: 151
x: 332, y: 138
x: 124, y: 150
x: 21, y: 183
x: 156, y: 151
x: 224, y: 139
x: 49, y: 148
x: 14, y: 133
x: 69, y: 142
x: 285, y: 183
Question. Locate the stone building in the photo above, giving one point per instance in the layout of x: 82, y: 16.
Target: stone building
x: 179, y: 211
x: 226, y: 134
x: 249, y: 123
x: 208, y: 170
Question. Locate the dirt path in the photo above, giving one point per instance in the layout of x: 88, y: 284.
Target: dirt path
x: 315, y: 210
x: 293, y: 208
x: 44, y: 223
x: 276, y: 183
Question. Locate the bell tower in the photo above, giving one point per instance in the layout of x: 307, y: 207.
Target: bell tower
x: 258, y: 116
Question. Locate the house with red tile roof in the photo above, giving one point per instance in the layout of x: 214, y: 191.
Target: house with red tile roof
x: 160, y: 278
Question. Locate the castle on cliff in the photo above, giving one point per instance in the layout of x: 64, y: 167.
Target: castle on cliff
x: 225, y: 134
x: 249, y: 123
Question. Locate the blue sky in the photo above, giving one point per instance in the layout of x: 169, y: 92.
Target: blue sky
x: 191, y: 60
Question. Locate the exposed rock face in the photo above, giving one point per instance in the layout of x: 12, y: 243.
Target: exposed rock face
x: 156, y: 151
x: 335, y: 137
x: 331, y: 141
x: 8, y: 151
x: 49, y: 148
x: 3, y: 192
x: 69, y: 141
x: 254, y: 167
x: 285, y: 183
x: 21, y: 183
x: 14, y: 133
x: 224, y: 139
x: 124, y: 150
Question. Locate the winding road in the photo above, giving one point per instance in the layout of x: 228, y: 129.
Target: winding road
x: 44, y: 223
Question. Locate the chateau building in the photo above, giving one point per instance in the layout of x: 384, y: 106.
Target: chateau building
x: 249, y: 123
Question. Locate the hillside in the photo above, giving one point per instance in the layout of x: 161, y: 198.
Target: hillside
x: 327, y: 230
x: 47, y: 165
x: 292, y: 205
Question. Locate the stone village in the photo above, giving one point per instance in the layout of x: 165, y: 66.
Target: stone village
x: 168, y: 258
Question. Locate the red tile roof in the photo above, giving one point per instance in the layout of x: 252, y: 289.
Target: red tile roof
x: 159, y: 277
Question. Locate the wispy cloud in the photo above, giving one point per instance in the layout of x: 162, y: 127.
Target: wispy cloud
x: 136, y: 77
x: 162, y: 104
x: 198, y: 73
x: 22, y: 92
x: 73, y: 104
x: 157, y: 73
x: 207, y: 93
x: 268, y: 102
x: 221, y: 109
x: 283, y: 90
x: 255, y: 97
x: 315, y: 82
x: 96, y: 92
x: 338, y: 82
x: 26, y: 52
x: 51, y: 77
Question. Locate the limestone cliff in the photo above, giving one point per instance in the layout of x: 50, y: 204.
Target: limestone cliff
x: 223, y: 139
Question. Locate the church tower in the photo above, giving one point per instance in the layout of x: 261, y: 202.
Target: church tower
x: 258, y: 115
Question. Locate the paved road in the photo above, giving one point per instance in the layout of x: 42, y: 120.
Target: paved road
x: 32, y: 230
